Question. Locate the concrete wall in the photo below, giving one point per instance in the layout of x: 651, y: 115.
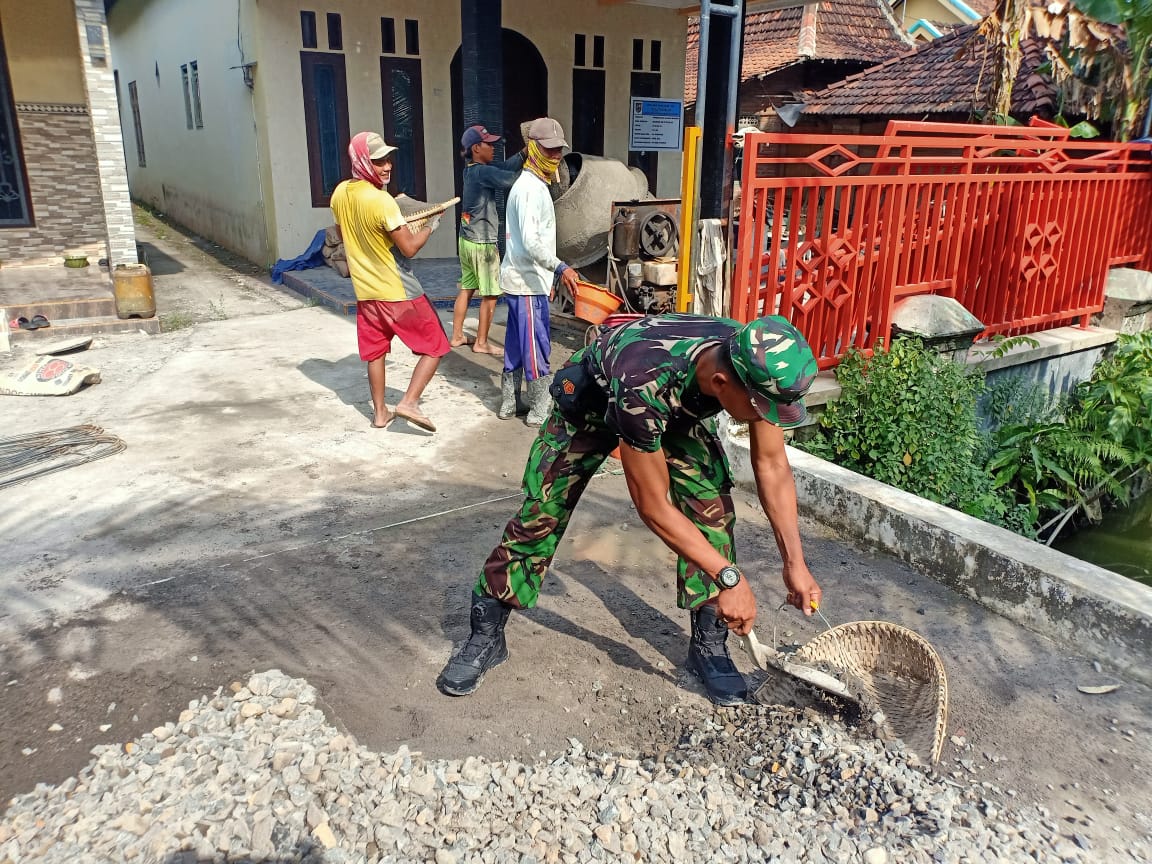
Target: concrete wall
x: 281, y: 109
x: 1127, y: 301
x: 206, y: 178
x: 43, y: 51
x: 1062, y: 358
x: 1093, y: 610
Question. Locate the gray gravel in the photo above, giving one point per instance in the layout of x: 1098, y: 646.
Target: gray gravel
x: 256, y: 773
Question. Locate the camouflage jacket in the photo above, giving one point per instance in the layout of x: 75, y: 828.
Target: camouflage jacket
x: 647, y: 369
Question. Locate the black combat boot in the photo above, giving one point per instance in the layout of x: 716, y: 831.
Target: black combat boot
x: 484, y: 650
x: 708, y: 658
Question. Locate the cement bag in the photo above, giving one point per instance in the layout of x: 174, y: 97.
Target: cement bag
x: 48, y: 376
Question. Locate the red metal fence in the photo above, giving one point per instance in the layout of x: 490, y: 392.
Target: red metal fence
x: 1019, y: 224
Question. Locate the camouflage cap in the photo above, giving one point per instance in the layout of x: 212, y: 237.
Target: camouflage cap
x: 775, y: 363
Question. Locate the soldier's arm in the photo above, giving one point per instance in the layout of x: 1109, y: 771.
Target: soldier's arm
x: 648, y: 484
x: 776, y: 488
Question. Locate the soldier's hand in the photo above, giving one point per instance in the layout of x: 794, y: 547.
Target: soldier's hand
x: 736, y: 607
x: 803, y: 592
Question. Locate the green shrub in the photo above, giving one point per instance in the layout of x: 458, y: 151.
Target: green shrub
x: 907, y: 417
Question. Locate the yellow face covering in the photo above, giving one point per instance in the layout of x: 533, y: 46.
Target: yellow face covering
x: 539, y: 163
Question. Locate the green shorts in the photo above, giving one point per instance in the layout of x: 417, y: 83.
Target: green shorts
x: 479, y: 267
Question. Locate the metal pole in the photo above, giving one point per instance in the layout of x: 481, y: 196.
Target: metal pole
x: 719, y: 72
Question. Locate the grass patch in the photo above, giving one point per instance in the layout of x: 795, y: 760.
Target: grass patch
x: 216, y: 309
x: 173, y: 321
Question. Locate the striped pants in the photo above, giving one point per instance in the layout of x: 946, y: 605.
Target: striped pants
x: 528, y: 341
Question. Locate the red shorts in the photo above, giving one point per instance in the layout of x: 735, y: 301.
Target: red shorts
x: 414, y: 321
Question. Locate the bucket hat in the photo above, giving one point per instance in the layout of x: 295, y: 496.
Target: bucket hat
x: 776, y: 366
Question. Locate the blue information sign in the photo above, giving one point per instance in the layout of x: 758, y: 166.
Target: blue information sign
x: 656, y: 124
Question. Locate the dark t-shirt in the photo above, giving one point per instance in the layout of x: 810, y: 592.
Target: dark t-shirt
x: 648, y: 371
x: 479, y: 218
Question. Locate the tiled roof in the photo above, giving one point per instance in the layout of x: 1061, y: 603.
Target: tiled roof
x: 948, y: 12
x: 939, y: 78
x: 862, y: 30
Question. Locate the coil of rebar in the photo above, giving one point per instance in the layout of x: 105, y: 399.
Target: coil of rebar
x: 26, y: 457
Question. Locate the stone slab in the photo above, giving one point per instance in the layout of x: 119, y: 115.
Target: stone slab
x: 1049, y: 343
x: 1128, y: 283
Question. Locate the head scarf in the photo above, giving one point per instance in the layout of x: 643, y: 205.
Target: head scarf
x: 539, y: 163
x: 362, y: 167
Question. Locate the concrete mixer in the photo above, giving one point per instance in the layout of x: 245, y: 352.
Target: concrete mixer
x: 610, y: 227
x: 586, y: 189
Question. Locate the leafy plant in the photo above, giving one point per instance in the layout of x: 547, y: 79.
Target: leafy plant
x: 1015, y: 399
x: 1135, y: 16
x: 1068, y: 457
x: 906, y: 417
x: 1049, y: 466
x: 1117, y: 400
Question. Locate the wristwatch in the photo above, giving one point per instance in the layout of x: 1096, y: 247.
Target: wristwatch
x: 728, y: 577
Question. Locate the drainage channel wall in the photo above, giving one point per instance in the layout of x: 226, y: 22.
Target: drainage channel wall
x: 1096, y: 612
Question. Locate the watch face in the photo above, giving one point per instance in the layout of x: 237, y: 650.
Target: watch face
x: 729, y: 577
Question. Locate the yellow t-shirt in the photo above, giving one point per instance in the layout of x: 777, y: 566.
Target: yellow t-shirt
x: 363, y: 212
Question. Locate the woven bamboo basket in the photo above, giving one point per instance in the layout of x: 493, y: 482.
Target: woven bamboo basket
x: 896, y: 671
x: 418, y: 212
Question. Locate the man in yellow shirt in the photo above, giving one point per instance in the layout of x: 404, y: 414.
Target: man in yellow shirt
x: 389, y: 299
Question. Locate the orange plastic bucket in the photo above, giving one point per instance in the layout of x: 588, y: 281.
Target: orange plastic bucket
x: 593, y: 303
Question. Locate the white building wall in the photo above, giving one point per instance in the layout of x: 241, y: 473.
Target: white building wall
x: 205, y: 178
x: 282, y: 109
x: 279, y: 76
x: 619, y: 24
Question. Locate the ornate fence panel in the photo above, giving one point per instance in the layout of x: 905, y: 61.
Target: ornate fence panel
x: 1019, y: 224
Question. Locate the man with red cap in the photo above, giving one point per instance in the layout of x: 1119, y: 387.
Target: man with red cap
x: 480, y: 232
x: 389, y: 299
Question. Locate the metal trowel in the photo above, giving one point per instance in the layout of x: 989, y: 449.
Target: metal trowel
x: 767, y: 659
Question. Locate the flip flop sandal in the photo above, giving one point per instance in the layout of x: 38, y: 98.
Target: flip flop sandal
x: 391, y: 419
x: 416, y: 419
x: 20, y: 323
x: 38, y: 322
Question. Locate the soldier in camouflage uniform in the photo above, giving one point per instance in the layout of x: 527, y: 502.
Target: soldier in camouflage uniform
x: 654, y: 386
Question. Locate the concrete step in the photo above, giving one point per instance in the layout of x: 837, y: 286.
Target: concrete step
x: 88, y: 326
x: 61, y: 310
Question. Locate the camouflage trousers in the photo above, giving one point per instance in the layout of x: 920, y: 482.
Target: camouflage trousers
x: 563, y: 459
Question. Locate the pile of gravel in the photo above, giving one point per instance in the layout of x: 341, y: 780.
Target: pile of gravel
x: 258, y: 774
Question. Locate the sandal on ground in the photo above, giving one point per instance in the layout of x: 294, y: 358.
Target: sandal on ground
x: 415, y: 418
x: 38, y: 321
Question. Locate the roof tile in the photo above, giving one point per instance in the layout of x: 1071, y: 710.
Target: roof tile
x: 863, y: 30
x: 941, y: 77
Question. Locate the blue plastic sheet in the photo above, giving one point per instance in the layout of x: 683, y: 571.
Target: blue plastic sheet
x: 312, y: 257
